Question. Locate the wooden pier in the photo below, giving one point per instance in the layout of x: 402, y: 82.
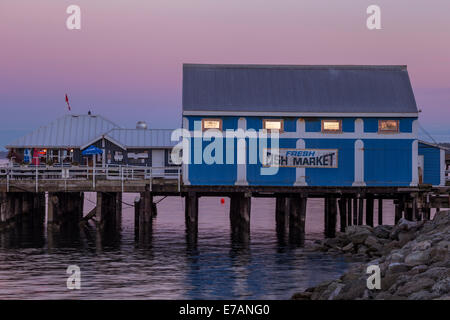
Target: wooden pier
x: 23, y: 190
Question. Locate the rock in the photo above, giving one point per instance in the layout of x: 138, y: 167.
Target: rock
x: 302, y: 296
x: 422, y: 295
x: 442, y: 286
x: 406, y: 225
x: 421, y: 246
x: 362, y: 250
x: 418, y: 269
x: 440, y: 251
x: 436, y: 273
x: 414, y: 285
x: 336, y: 291
x: 417, y: 258
x: 404, y: 237
x: 397, y: 257
x: 397, y: 267
x: 415, y: 261
x: 358, y: 234
x: 441, y: 218
x: 348, y: 247
x: 372, y: 243
x: 382, y: 232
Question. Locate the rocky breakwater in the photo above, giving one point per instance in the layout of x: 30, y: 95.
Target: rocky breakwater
x: 413, y: 259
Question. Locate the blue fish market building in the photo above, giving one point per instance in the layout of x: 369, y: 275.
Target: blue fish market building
x: 365, y: 115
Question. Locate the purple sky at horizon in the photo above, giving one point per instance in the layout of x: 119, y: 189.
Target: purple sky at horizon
x: 126, y: 61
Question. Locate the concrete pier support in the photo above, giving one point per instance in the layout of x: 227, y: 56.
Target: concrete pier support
x: 297, y: 218
x: 64, y: 207
x: 240, y: 207
x: 330, y: 216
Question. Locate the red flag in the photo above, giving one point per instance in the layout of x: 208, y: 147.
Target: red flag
x: 67, y: 101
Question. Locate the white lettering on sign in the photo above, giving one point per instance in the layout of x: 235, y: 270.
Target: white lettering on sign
x: 301, y: 158
x: 132, y: 155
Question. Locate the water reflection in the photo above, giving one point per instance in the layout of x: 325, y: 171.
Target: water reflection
x: 162, y: 259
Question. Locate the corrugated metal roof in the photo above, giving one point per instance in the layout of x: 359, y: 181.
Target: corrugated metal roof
x: 283, y: 88
x: 140, y: 138
x: 70, y: 131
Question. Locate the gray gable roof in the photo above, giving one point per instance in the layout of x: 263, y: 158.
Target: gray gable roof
x: 308, y: 89
x: 69, y: 131
x: 142, y: 138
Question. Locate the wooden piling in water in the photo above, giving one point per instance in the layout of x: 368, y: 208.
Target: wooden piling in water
x: 360, y: 210
x: 297, y: 218
x: 380, y: 211
x: 369, y: 210
x: 355, y: 211
x: 240, y: 208
x: 281, y: 213
x: 349, y: 211
x: 330, y: 216
x: 343, y: 213
x: 191, y: 212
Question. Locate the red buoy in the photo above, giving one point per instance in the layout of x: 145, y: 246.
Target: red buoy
x: 222, y: 200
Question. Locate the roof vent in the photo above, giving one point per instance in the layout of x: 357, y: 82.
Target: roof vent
x: 141, y: 125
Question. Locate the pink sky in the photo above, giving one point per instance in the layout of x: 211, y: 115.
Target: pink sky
x: 125, y: 62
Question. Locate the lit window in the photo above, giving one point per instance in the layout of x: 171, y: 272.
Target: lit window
x: 211, y: 124
x: 332, y: 126
x: 388, y: 126
x: 272, y: 124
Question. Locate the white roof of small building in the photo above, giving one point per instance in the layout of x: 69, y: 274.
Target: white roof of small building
x: 69, y: 131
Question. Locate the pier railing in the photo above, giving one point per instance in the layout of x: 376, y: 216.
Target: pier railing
x: 121, y: 174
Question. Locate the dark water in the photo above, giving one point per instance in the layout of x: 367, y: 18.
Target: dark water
x: 166, y: 265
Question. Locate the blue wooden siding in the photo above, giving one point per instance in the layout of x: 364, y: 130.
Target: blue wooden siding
x: 387, y: 162
x: 315, y: 124
x: 371, y: 124
x: 344, y: 174
x: 284, y: 177
x: 431, y: 164
x: 211, y: 174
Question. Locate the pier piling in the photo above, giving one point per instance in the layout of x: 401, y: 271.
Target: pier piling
x: 191, y: 212
x: 64, y: 207
x: 240, y: 207
x: 380, y: 211
x: 369, y: 210
x: 281, y: 214
x: 343, y: 213
x: 330, y: 216
x: 297, y: 218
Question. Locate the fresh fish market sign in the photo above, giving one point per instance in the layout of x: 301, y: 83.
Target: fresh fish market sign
x: 301, y: 158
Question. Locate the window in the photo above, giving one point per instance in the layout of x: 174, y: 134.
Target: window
x: 273, y: 124
x: 388, y: 126
x: 332, y: 126
x: 211, y: 124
